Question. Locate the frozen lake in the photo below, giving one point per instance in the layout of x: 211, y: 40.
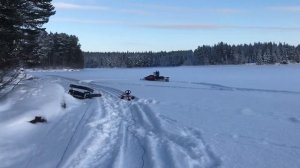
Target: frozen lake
x: 206, y: 116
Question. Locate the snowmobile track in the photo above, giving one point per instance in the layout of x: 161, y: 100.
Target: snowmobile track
x: 75, y: 131
x: 132, y: 130
x: 119, y: 133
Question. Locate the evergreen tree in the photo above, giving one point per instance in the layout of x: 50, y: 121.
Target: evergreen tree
x: 298, y: 54
x: 10, y: 21
x: 21, y: 22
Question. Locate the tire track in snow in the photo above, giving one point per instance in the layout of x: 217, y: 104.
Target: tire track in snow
x: 72, y: 136
x: 170, y: 145
x: 99, y: 147
x: 130, y: 134
x: 69, y: 127
x: 62, y: 135
x: 110, y: 142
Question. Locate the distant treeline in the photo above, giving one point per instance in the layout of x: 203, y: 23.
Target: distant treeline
x: 259, y: 53
x: 137, y: 59
x: 221, y: 53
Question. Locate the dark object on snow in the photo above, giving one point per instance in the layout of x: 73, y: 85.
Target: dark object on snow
x: 156, y: 77
x: 126, y: 95
x: 38, y: 119
x: 79, y: 94
x: 82, y: 87
x: 64, y: 105
x: 82, y: 92
x: 95, y: 95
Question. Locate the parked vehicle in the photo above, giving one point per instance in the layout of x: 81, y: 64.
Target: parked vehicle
x: 82, y: 92
x: 157, y: 77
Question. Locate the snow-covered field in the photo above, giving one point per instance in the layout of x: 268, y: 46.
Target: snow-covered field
x: 242, y: 116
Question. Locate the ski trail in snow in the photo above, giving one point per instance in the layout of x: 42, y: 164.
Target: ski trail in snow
x: 71, y: 138
x: 68, y: 127
x: 168, y: 143
x: 108, y: 138
x: 130, y: 134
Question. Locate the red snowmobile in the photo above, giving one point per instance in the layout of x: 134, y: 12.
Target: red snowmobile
x: 156, y: 77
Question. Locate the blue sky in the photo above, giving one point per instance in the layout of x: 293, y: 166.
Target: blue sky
x: 156, y: 25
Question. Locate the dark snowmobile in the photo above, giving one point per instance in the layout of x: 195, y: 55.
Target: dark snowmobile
x: 156, y: 77
x: 126, y: 95
x: 38, y: 119
x: 82, y: 92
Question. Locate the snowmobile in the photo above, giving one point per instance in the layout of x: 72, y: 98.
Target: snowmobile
x: 126, y: 95
x: 38, y: 119
x: 156, y: 77
x: 82, y: 92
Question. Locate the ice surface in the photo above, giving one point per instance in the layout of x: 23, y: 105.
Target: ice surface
x: 208, y: 116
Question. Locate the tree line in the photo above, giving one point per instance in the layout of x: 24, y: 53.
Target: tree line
x: 137, y: 59
x: 221, y: 53
x: 24, y: 41
x: 259, y: 53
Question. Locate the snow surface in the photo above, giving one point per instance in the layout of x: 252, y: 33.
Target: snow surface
x: 208, y: 116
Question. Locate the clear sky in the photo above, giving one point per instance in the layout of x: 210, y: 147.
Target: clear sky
x: 155, y: 25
